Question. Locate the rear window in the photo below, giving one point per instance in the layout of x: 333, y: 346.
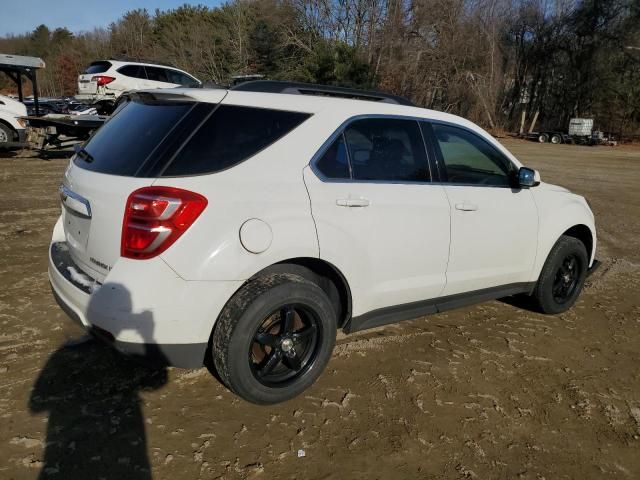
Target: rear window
x: 125, y: 142
x: 153, y: 139
x: 98, y: 67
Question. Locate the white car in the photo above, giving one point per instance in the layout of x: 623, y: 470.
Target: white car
x: 105, y: 80
x: 12, y: 127
x: 242, y: 227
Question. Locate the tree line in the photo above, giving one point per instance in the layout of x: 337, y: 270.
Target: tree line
x: 506, y: 64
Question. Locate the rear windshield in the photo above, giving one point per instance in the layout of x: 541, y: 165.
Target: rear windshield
x: 168, y: 139
x: 98, y: 67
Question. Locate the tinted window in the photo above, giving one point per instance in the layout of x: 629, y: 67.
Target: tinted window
x: 230, y: 135
x: 122, y: 144
x: 334, y: 163
x: 133, y: 71
x: 98, y: 67
x: 387, y: 149
x: 180, y: 78
x: 469, y: 159
x: 156, y: 74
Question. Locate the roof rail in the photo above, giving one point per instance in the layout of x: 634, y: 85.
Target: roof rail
x: 138, y: 60
x: 300, y: 88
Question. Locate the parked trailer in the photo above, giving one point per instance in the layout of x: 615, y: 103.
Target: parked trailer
x: 580, y: 132
x: 61, y: 131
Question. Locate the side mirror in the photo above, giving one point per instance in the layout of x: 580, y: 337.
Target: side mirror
x: 527, y: 177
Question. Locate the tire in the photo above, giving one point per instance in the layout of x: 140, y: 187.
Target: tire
x: 560, y: 283
x: 556, y: 139
x: 543, y: 138
x: 105, y: 107
x: 274, y: 338
x: 6, y: 134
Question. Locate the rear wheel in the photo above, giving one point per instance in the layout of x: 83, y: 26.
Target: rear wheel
x: 556, y: 138
x: 543, y: 138
x: 562, y: 276
x: 274, y: 338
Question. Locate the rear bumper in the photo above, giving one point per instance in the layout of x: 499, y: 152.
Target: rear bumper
x: 176, y: 355
x: 151, y: 313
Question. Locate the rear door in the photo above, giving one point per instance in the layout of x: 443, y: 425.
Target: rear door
x: 157, y: 77
x: 494, y: 226
x: 135, y: 77
x: 111, y: 166
x: 377, y: 214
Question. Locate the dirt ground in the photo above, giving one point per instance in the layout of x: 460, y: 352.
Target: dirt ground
x: 489, y: 392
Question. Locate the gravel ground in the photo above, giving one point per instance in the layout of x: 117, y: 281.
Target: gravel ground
x: 493, y: 391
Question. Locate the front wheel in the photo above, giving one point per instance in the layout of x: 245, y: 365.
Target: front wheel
x: 562, y: 276
x: 274, y: 338
x: 6, y: 134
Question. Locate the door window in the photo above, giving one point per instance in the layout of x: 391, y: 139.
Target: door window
x: 334, y: 164
x: 179, y: 78
x: 470, y: 160
x: 385, y: 149
x: 133, y: 71
x: 157, y: 74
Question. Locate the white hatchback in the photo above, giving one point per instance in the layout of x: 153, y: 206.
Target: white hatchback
x: 104, y: 81
x: 241, y: 228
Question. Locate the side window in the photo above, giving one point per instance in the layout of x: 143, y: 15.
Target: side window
x: 387, y: 149
x: 470, y: 160
x: 156, y: 74
x: 133, y: 71
x: 334, y: 163
x: 179, y: 78
x: 231, y: 135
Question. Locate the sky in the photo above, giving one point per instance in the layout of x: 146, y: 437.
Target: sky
x: 20, y: 16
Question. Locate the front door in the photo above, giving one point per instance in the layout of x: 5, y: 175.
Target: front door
x: 494, y: 226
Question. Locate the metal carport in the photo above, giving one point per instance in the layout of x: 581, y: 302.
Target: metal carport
x: 15, y: 66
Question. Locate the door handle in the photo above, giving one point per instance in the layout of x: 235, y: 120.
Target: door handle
x: 466, y: 207
x: 352, y: 202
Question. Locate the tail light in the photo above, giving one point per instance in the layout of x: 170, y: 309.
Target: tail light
x: 155, y: 217
x: 102, y: 80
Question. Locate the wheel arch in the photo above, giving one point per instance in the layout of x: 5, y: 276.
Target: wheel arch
x: 11, y: 127
x: 326, y: 275
x: 583, y: 233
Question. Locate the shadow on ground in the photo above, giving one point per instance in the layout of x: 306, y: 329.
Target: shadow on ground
x: 91, y: 393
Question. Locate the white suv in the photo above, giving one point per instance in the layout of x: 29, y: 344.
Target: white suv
x: 240, y: 228
x: 105, y: 80
x: 12, y: 127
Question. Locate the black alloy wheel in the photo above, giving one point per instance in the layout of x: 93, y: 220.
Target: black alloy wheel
x: 274, y: 337
x: 566, y: 279
x: 562, y: 276
x: 285, y: 345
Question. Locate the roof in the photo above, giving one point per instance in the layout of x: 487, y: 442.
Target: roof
x: 330, y: 110
x: 125, y: 61
x: 19, y: 62
x: 339, y: 106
